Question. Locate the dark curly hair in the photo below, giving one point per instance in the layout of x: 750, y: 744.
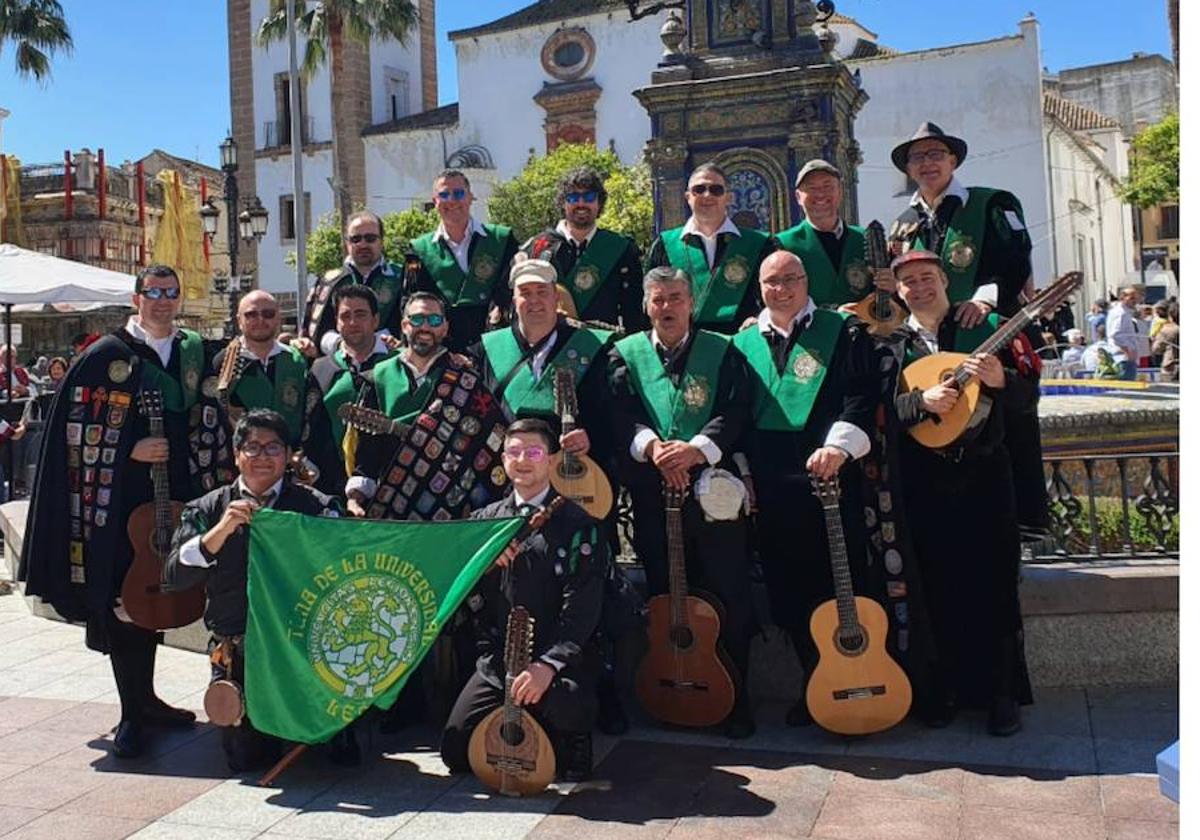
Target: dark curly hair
x: 581, y: 179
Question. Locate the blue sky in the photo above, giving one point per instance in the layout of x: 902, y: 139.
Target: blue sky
x: 154, y: 73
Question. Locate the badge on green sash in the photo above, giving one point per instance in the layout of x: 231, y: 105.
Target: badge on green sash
x: 594, y: 265
x: 964, y: 238
x: 179, y: 395
x: 717, y: 293
x: 827, y: 285
x: 474, y: 286
x: 525, y: 395
x: 680, y: 411
x: 285, y: 395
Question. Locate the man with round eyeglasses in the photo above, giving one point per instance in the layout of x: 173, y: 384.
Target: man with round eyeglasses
x: 721, y: 258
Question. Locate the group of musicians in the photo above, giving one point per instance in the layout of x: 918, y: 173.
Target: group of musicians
x: 724, y: 367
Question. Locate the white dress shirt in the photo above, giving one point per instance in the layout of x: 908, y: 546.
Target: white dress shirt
x: 161, y: 346
x: 460, y: 250
x: 710, y: 242
x: 538, y: 500
x: 565, y: 232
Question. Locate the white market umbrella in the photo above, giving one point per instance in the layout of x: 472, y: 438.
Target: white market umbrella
x: 27, y: 277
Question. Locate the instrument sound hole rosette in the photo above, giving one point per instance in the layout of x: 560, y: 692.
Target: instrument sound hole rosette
x: 513, y: 734
x: 681, y: 637
x: 851, y: 643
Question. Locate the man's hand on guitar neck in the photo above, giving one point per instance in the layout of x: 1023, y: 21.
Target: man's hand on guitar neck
x: 987, y: 368
x: 151, y: 450
x: 826, y: 461
x: 576, y: 442
x: 885, y: 281
x: 674, y: 459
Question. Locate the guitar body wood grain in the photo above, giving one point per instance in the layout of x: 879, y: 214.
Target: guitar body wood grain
x: 523, y: 768
x: 585, y: 484
x: 147, y: 604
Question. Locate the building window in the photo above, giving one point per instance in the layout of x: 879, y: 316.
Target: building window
x: 568, y: 54
x: 396, y: 90
x: 1169, y: 226
x: 287, y: 222
x: 279, y: 131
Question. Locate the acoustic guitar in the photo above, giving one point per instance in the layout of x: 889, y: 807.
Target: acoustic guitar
x: 509, y: 751
x: 577, y: 476
x: 682, y: 680
x: 879, y: 310
x: 940, y: 431
x: 150, y: 528
x: 856, y: 688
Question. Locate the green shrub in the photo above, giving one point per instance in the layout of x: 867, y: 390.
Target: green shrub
x: 1111, y: 536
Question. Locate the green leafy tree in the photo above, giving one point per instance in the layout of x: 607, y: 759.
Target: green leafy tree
x: 325, y: 25
x: 1154, y: 165
x: 526, y: 202
x: 325, y: 249
x: 36, y: 29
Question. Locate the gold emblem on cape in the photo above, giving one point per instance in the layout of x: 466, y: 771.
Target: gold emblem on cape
x: 209, y: 387
x: 290, y: 394
x: 118, y: 370
x: 586, y: 276
x: 695, y: 392
x: 384, y: 295
x: 806, y: 365
x: 962, y: 253
x: 483, y: 267
x: 858, y: 276
x: 736, y: 271
x: 191, y: 379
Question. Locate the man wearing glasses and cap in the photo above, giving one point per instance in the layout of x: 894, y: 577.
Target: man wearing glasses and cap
x: 364, y: 265
x: 464, y: 261
x: 721, y: 258
x: 599, y: 270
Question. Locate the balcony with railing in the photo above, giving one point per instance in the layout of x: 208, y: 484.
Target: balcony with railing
x: 278, y: 133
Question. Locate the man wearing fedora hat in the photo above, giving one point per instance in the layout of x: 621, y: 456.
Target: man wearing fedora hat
x: 979, y: 232
x: 833, y: 252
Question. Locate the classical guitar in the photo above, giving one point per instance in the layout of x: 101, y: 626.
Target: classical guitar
x: 879, y: 310
x: 577, y: 476
x: 939, y: 431
x: 682, y: 680
x: 856, y: 688
x: 150, y: 528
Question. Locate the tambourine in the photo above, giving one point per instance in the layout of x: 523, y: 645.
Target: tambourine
x: 720, y: 493
x: 224, y: 703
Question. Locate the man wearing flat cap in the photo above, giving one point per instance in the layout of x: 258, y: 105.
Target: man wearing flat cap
x: 833, y: 252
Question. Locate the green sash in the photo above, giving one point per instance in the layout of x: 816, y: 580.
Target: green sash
x: 594, y: 265
x: 718, y: 295
x: 524, y: 395
x: 178, y: 397
x: 964, y: 239
x: 394, y: 392
x: 284, y: 396
x: 827, y: 285
x: 678, y: 413
x: 459, y: 288
x: 387, y: 287
x: 782, y: 402
x: 341, y: 390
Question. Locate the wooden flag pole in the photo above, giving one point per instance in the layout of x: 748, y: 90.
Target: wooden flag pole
x: 284, y: 763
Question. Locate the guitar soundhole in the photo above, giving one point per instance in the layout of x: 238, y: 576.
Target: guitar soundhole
x: 851, y: 644
x: 681, y: 637
x: 512, y: 733
x: 570, y: 470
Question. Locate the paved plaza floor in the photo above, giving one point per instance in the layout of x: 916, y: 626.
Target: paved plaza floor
x: 1081, y: 769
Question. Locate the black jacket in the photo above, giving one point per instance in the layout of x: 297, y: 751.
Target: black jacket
x: 619, y: 299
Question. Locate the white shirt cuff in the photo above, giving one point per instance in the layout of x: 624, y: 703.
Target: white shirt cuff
x: 361, y: 484
x: 712, y: 452
x: 642, y: 439
x: 329, y: 343
x: 849, y: 437
x: 742, y: 463
x: 989, y: 293
x: 5, y: 430
x: 191, y: 555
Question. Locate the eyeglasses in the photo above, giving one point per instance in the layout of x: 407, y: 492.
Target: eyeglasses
x: 576, y: 197
x: 715, y: 190
x: 158, y: 293
x: 933, y: 156
x: 420, y: 319
x: 272, y: 450
x: 458, y: 194
x: 255, y: 314
x: 531, y: 453
x: 369, y: 238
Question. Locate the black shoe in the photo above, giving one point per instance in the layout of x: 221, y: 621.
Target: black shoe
x: 1004, y: 717
x: 799, y: 715
x: 344, y: 750
x: 739, y: 725
x: 577, y: 756
x: 940, y: 712
x: 612, y: 719
x: 158, y: 712
x: 127, y: 743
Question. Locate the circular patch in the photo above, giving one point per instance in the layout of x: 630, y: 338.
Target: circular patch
x: 586, y: 277
x: 857, y: 275
x: 869, y: 517
x: 118, y: 370
x: 893, y: 562
x: 484, y: 267
x: 805, y: 366
x: 209, y: 387
x: 451, y: 413
x: 444, y: 389
x: 736, y: 271
x: 962, y: 253
x: 695, y: 393
x: 290, y: 394
x: 498, y: 476
x: 384, y: 295
x: 471, y: 426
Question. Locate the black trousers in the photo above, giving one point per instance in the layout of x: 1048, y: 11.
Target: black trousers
x: 568, y: 706
x: 245, y: 747
x: 131, y: 652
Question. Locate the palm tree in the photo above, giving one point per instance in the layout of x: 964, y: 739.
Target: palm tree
x: 36, y: 28
x: 1173, y: 23
x: 325, y: 25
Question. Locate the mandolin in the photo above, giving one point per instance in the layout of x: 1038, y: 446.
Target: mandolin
x: 856, y: 688
x: 509, y: 751
x: 577, y: 476
x: 942, y: 430
x: 879, y: 310
x: 150, y: 528
x: 681, y: 679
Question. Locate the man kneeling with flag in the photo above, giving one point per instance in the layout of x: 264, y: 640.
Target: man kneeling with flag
x: 210, y: 546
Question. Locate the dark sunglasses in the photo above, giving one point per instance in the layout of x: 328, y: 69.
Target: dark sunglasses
x: 158, y: 292
x: 369, y: 238
x: 715, y: 190
x: 576, y: 197
x: 421, y: 319
x: 458, y: 194
x: 265, y: 314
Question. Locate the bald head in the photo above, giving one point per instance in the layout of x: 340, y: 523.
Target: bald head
x: 258, y: 319
x: 784, y: 285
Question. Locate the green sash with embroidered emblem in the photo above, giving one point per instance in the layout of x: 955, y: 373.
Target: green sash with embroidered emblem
x: 829, y: 285
x: 964, y: 239
x: 284, y: 396
x: 678, y: 412
x: 474, y: 286
x: 179, y: 395
x: 394, y: 392
x: 524, y: 395
x: 782, y: 402
x: 591, y: 270
x: 718, y: 293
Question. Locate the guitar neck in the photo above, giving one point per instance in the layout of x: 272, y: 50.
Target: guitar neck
x: 161, y: 480
x: 997, y: 341
x: 843, y: 582
x: 676, y: 566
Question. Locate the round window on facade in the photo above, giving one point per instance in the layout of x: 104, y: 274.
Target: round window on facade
x: 568, y: 54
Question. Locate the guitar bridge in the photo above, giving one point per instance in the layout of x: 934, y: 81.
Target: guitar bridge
x: 691, y: 685
x: 862, y: 693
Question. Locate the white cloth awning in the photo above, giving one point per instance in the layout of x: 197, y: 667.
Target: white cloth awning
x: 27, y: 277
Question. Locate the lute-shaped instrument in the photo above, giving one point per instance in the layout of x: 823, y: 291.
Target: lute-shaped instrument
x: 879, y: 310
x: 577, y: 476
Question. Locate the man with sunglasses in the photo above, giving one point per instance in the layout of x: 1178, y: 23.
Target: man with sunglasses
x: 95, y: 469
x: 364, y: 265
x: 211, y: 548
x: 464, y: 261
x: 721, y: 258
x: 599, y: 269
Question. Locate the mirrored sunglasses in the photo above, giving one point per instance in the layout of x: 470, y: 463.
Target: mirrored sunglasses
x: 158, y: 292
x: 420, y: 319
x: 530, y: 453
x: 576, y: 197
x: 458, y: 194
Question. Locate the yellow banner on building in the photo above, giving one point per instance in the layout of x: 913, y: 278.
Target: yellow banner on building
x: 179, y: 241
x: 11, y: 228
